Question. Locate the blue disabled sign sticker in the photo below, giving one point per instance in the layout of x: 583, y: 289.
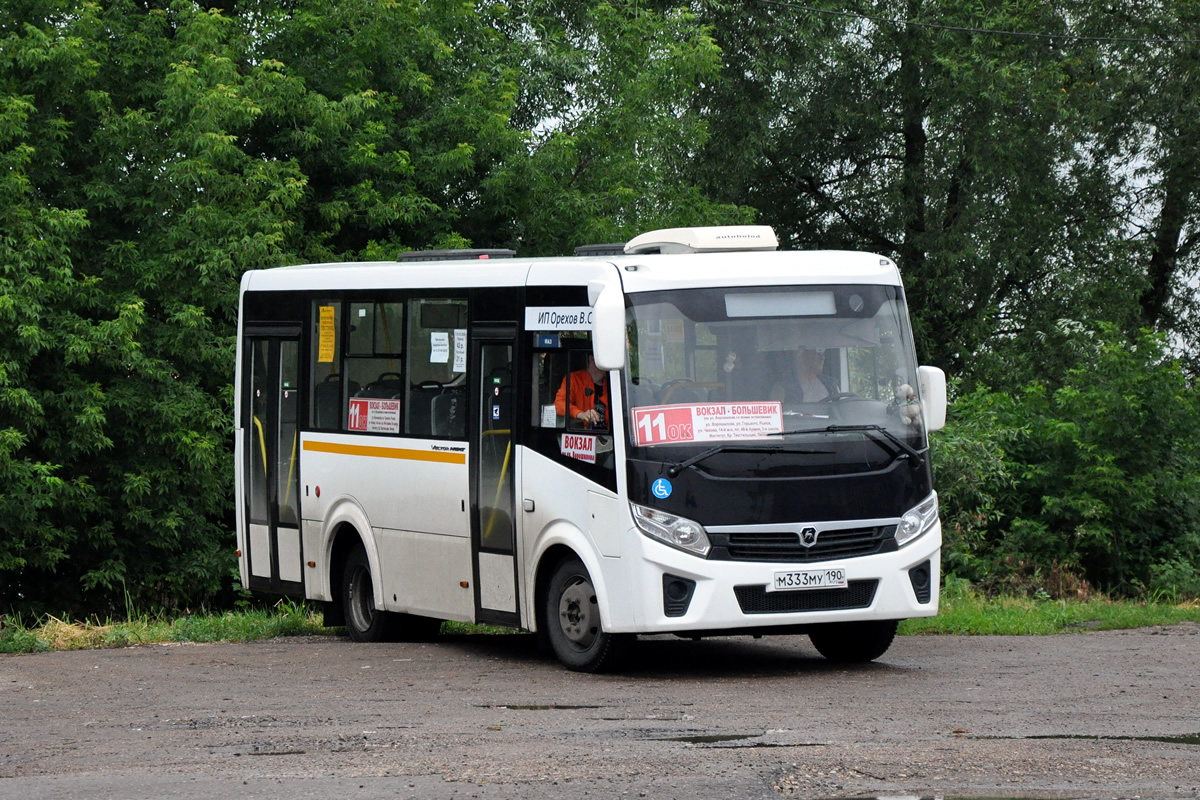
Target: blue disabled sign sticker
x: 661, y: 488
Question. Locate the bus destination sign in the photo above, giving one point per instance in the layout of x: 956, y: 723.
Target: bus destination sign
x: 706, y: 422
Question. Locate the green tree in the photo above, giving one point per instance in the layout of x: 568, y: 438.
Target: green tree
x: 122, y: 377
x: 43, y: 308
x: 954, y: 137
x: 1099, y: 477
x: 609, y: 120
x: 397, y: 113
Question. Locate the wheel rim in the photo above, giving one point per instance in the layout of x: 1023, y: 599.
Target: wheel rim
x: 578, y: 614
x: 362, y: 599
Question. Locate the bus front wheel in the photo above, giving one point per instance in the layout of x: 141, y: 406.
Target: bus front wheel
x: 854, y: 642
x: 572, y: 618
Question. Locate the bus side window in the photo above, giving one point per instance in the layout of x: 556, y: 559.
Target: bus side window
x: 373, y: 366
x: 549, y: 371
x: 326, y: 366
x: 436, y: 403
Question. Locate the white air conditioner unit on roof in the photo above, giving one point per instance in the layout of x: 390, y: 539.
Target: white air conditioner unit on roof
x: 720, y: 239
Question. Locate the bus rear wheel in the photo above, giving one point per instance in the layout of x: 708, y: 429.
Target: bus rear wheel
x: 572, y: 618
x: 365, y: 622
x: 854, y: 642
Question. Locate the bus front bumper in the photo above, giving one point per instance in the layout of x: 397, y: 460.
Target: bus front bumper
x: 677, y: 592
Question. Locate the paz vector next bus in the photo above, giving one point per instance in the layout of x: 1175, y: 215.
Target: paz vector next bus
x: 693, y: 433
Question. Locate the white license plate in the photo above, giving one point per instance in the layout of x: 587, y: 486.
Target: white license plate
x: 808, y: 579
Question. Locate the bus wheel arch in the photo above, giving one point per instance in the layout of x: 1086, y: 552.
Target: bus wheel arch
x: 345, y: 538
x: 354, y: 583
x: 569, y: 620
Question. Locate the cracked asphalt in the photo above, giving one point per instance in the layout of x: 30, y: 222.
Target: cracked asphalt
x: 1087, y: 715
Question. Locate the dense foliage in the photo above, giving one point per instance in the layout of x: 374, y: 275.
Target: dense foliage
x: 1090, y: 480
x: 1033, y: 167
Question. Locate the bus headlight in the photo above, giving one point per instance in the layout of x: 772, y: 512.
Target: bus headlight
x: 917, y: 520
x: 678, y: 532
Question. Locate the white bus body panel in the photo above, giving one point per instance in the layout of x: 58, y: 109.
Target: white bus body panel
x: 564, y: 503
x: 417, y: 529
x: 422, y: 574
x: 784, y: 268
x: 496, y: 589
x: 240, y: 499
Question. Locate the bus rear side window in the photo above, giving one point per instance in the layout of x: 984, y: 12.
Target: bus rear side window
x: 327, y: 396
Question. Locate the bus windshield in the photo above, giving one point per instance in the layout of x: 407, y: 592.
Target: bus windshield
x: 765, y: 367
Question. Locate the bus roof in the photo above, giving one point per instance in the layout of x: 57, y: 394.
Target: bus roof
x: 638, y: 273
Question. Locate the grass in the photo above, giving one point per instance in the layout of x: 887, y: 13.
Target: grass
x: 287, y: 618
x: 962, y: 611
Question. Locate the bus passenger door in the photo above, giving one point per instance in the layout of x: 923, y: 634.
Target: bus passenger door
x: 272, y: 468
x: 493, y: 518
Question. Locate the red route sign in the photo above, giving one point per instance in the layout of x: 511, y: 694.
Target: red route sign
x: 705, y: 422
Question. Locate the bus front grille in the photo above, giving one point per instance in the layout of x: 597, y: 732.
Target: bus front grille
x: 785, y: 545
x: 757, y: 600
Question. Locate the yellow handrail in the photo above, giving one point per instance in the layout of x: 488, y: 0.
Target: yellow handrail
x: 262, y: 443
x: 291, y: 473
x: 499, y: 485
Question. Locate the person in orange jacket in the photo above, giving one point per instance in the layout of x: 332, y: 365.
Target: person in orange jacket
x: 589, y: 396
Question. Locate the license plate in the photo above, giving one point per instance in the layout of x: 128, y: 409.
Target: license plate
x: 808, y: 579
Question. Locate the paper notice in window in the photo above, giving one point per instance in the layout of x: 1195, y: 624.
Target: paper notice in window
x: 460, y: 350
x: 327, y: 336
x: 439, y: 347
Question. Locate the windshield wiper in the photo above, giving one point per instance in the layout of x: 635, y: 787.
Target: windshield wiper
x: 875, y: 433
x: 675, y: 469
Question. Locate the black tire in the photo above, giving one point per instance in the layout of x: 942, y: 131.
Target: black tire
x: 854, y: 642
x: 572, y: 618
x: 364, y: 622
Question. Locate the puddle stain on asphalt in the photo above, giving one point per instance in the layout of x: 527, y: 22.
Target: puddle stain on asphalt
x: 729, y: 740
x: 1188, y: 738
x: 523, y: 707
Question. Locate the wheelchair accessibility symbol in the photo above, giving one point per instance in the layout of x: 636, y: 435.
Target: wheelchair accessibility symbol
x: 661, y: 488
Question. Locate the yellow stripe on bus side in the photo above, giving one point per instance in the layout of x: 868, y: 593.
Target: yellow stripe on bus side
x: 385, y: 452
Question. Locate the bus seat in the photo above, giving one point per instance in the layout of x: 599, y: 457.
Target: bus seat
x: 678, y: 395
x: 420, y: 402
x: 327, y: 401
x: 446, y: 415
x: 388, y: 384
x: 640, y: 396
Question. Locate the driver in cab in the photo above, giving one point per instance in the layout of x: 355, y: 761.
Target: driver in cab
x: 588, y: 393
x: 807, y: 383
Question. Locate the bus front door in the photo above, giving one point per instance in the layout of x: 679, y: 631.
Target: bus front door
x: 272, y: 469
x: 493, y: 531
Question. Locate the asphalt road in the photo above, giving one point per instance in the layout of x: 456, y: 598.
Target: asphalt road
x: 1088, y: 715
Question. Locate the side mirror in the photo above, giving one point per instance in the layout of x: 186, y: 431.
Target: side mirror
x: 933, y: 397
x: 608, y: 324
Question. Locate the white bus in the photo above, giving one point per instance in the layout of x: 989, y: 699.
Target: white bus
x: 696, y: 434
